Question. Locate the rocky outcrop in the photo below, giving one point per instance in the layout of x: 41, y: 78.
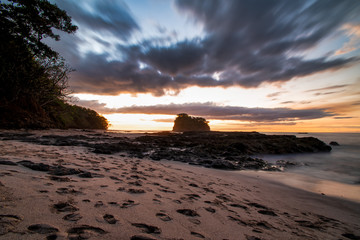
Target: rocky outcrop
x: 185, y: 123
x: 221, y: 150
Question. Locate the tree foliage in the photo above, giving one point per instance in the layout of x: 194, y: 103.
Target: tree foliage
x: 184, y: 123
x: 29, y: 21
x: 33, y: 77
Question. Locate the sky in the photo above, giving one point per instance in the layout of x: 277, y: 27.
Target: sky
x: 244, y: 65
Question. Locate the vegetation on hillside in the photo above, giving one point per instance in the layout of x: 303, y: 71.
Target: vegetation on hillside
x: 186, y: 123
x: 33, y: 77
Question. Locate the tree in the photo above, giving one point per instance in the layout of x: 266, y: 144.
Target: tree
x: 29, y: 21
x: 184, y: 123
x: 33, y: 77
x: 31, y: 72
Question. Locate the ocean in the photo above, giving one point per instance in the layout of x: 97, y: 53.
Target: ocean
x: 335, y: 173
x: 342, y: 164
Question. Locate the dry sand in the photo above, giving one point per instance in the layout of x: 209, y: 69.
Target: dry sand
x: 130, y: 198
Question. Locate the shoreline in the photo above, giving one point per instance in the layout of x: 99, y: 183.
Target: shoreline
x: 342, y: 191
x: 121, y: 197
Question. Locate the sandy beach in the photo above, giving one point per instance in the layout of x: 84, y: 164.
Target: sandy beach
x: 69, y: 192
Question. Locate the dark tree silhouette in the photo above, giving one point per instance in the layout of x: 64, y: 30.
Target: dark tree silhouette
x: 33, y: 77
x: 185, y: 123
x: 31, y: 72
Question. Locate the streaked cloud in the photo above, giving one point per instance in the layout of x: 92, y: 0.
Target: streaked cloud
x: 242, y: 43
x: 353, y: 33
x: 210, y: 110
x: 328, y: 88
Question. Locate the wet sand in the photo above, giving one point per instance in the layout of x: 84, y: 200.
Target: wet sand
x: 343, y: 191
x: 121, y: 197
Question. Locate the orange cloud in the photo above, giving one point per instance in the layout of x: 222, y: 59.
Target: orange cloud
x: 353, y: 33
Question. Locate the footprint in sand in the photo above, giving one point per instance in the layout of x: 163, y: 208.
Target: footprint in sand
x: 193, y: 185
x: 64, y: 207
x: 85, y: 232
x: 59, y: 179
x: 267, y: 212
x: 194, y: 221
x: 99, y: 204
x: 147, y: 228
x: 188, y: 212
x: 42, y: 228
x: 72, y: 191
x: 210, y: 209
x: 137, y: 183
x: 135, y: 191
x: 193, y: 196
x: 139, y: 237
x: 109, y: 219
x: 73, y: 217
x: 195, y: 234
x: 237, y: 220
x: 8, y: 223
x: 236, y: 205
x: 163, y: 217
x: 128, y: 203
x: 115, y: 178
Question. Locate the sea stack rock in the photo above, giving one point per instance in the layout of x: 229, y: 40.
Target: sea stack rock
x: 333, y: 143
x: 186, y: 123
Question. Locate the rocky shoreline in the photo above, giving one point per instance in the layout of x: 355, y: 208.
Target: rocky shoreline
x: 220, y: 150
x: 54, y: 186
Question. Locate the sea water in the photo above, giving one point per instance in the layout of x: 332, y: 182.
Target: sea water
x: 341, y: 164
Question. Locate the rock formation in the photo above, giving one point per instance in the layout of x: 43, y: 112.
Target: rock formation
x: 186, y: 123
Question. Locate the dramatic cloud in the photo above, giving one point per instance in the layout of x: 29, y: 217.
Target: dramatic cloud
x: 103, y: 17
x: 244, y: 43
x: 212, y: 111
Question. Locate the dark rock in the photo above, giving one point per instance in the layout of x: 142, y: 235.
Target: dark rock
x: 184, y: 122
x: 333, y: 143
x: 63, y: 171
x: 6, y: 162
x: 222, y: 164
x: 59, y: 179
x: 222, y: 150
x: 285, y: 163
x: 35, y: 166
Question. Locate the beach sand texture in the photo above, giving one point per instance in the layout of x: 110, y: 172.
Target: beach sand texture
x: 77, y: 194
